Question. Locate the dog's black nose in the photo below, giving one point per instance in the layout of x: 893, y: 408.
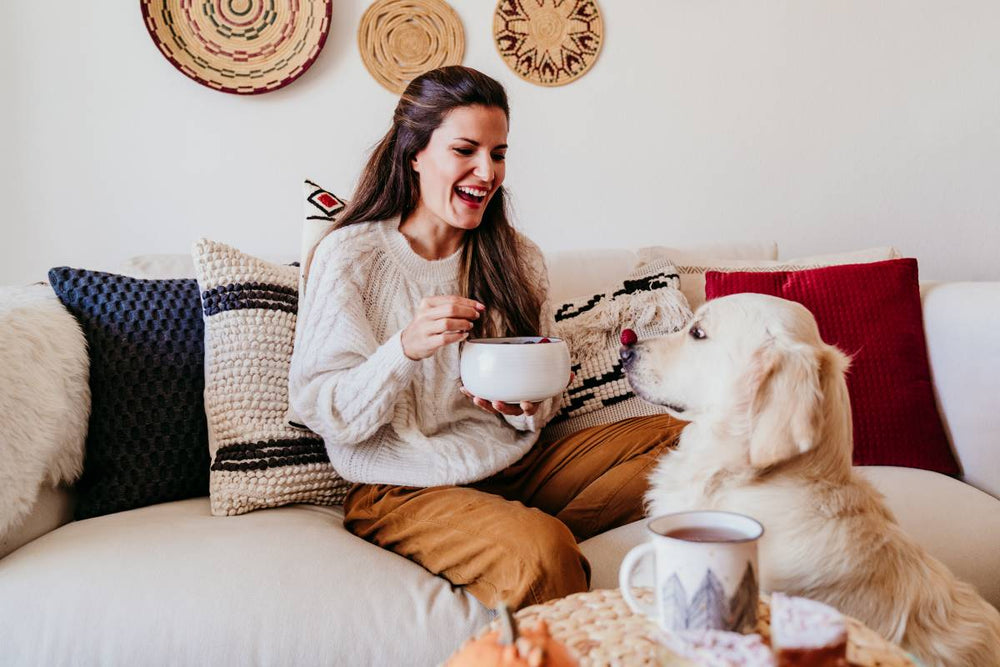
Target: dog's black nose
x: 627, y: 354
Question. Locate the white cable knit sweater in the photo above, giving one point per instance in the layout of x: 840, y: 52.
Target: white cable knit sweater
x: 385, y: 418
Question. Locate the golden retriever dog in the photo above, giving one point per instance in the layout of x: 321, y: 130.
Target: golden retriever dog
x: 770, y: 436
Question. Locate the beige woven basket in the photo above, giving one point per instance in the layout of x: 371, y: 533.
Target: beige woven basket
x: 548, y: 42
x: 600, y: 629
x: 401, y: 39
x: 239, y: 46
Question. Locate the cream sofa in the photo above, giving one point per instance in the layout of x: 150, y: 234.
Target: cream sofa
x: 172, y: 585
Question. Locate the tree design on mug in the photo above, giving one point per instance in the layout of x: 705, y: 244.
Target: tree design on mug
x: 709, y: 607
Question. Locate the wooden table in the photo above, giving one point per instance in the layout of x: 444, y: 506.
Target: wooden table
x: 601, y: 630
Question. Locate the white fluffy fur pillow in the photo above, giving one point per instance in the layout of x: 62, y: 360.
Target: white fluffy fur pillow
x: 44, y: 398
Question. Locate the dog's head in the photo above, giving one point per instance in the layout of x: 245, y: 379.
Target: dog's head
x: 750, y: 364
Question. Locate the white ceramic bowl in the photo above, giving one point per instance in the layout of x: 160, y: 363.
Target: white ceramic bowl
x: 515, y: 369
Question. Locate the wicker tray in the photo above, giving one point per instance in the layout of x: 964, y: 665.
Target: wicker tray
x: 601, y: 630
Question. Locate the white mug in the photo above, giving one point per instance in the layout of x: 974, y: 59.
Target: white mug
x: 705, y: 571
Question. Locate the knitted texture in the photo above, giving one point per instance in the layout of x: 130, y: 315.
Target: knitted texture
x: 871, y: 312
x: 647, y: 301
x: 258, y: 460
x: 385, y: 418
x: 601, y: 629
x: 146, y: 439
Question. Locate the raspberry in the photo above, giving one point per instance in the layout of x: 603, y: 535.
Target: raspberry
x: 628, y: 337
x: 545, y: 340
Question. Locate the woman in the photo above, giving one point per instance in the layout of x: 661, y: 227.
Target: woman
x: 423, y: 258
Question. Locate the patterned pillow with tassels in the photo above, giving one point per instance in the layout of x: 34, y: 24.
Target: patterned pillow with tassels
x: 257, y: 460
x: 650, y: 302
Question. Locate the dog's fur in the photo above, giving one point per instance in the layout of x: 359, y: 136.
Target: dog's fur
x: 770, y: 436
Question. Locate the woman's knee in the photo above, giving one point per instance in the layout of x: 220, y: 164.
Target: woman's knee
x: 550, y: 554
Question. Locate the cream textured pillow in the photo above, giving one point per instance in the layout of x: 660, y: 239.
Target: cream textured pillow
x: 575, y: 272
x: 692, y: 267
x: 258, y: 460
x: 647, y: 301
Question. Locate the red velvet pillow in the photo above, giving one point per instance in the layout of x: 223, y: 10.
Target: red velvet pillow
x: 872, y: 312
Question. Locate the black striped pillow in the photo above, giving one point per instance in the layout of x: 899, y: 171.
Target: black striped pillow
x: 257, y: 460
x: 650, y: 302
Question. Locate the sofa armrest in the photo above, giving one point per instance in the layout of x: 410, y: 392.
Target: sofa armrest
x: 44, y: 403
x: 53, y: 508
x: 962, y: 324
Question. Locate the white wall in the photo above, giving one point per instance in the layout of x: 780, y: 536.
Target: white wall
x: 825, y: 125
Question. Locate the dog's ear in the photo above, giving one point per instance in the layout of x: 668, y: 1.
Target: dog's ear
x: 786, y: 401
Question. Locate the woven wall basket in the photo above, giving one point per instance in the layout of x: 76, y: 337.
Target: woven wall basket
x: 239, y: 46
x: 401, y: 39
x: 548, y: 42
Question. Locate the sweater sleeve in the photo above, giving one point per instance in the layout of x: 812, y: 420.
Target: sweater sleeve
x: 343, y: 383
x: 547, y: 323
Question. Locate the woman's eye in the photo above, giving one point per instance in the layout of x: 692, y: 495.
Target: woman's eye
x: 697, y: 333
x: 499, y: 157
x: 464, y: 151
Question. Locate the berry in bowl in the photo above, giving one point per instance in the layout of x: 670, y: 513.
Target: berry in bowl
x: 520, y: 368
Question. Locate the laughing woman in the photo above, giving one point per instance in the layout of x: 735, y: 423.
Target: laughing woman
x: 423, y: 258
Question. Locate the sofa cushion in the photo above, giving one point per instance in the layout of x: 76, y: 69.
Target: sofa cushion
x: 258, y: 460
x: 146, y: 440
x: 573, y: 273
x: 172, y: 585
x: 872, y: 313
x: 956, y: 523
x: 692, y: 267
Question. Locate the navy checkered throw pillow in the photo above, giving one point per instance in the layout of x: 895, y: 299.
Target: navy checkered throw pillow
x: 147, y: 440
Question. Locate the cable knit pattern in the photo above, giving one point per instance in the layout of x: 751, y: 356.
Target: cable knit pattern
x: 385, y: 418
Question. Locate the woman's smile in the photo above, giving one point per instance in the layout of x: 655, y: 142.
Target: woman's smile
x: 472, y: 195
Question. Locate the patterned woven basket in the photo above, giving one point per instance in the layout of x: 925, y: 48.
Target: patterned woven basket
x: 401, y: 39
x: 245, y: 47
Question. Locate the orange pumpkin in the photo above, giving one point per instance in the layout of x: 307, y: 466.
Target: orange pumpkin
x: 532, y: 648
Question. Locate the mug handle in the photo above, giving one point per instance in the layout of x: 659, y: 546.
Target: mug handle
x: 632, y: 559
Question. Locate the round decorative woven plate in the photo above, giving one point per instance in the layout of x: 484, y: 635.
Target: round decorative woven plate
x: 548, y: 42
x: 239, y: 46
x: 600, y: 629
x: 401, y: 39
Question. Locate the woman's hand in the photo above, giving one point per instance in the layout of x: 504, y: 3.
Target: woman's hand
x: 526, y: 408
x: 440, y: 321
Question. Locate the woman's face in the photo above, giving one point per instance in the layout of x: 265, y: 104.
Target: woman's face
x: 462, y: 166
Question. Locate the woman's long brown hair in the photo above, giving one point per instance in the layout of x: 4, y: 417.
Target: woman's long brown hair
x: 493, y: 267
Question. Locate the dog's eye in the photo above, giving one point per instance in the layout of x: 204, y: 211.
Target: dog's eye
x: 696, y: 333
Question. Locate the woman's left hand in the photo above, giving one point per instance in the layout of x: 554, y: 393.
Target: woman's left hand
x: 526, y: 408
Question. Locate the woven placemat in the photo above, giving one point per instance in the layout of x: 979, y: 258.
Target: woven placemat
x: 548, y: 42
x: 600, y: 629
x: 401, y: 39
x: 239, y: 46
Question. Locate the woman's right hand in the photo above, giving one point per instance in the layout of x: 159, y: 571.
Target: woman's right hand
x: 440, y: 321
